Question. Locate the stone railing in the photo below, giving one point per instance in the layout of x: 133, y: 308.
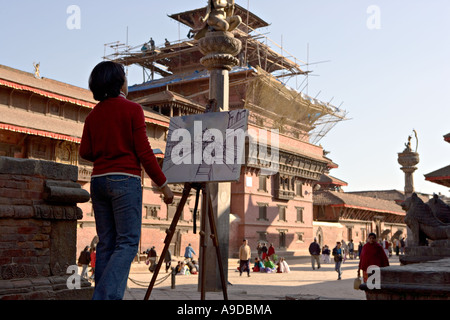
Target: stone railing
x: 38, y: 225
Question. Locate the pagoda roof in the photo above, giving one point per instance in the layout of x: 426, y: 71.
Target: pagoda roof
x: 25, y: 81
x: 165, y: 97
x: 348, y: 200
x: 440, y: 176
x: 330, y: 180
x: 182, y: 78
x: 447, y: 137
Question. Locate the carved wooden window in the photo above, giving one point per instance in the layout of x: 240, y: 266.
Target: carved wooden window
x: 300, y: 237
x: 151, y: 211
x: 300, y: 214
x: 262, y: 235
x: 282, y: 213
x: 262, y: 183
x: 299, y: 188
x: 262, y: 211
x: 282, y: 238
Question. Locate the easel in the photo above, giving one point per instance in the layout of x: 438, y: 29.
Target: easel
x: 206, y: 208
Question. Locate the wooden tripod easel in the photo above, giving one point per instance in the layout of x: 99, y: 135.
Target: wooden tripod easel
x: 207, y: 207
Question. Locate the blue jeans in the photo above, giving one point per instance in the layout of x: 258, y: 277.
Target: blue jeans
x: 337, y: 268
x: 117, y: 203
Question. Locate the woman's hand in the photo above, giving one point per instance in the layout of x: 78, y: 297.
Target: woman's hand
x: 168, y: 195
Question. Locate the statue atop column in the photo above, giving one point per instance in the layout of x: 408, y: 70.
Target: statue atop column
x: 219, y: 17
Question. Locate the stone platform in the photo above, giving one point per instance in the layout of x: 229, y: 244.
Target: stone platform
x: 418, y: 281
x: 38, y: 226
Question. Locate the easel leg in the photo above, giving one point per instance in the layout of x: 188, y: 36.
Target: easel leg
x: 170, y: 232
x: 203, y: 245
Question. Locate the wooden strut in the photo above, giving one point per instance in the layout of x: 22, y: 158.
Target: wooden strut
x: 171, y: 231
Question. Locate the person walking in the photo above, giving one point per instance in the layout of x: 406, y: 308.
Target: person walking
x: 351, y: 249
x: 115, y: 139
x: 168, y: 260
x: 337, y: 255
x: 314, y: 251
x: 372, y: 254
x: 402, y: 246
x: 188, y: 252
x: 151, y: 258
x: 93, y: 256
x: 360, y: 246
x: 84, y: 259
x: 326, y: 254
x: 244, y: 258
x: 385, y: 245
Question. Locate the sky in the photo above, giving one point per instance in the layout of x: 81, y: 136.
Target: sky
x: 384, y: 61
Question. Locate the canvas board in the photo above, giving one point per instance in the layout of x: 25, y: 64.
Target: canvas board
x: 207, y: 147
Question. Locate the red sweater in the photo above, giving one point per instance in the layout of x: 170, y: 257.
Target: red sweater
x: 115, y: 139
x: 372, y: 254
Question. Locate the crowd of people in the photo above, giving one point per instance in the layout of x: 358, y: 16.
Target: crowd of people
x: 373, y: 252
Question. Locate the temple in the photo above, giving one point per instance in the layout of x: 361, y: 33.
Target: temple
x: 440, y: 176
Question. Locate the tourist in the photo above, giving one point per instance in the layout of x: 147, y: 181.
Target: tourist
x: 188, y: 252
x: 244, y: 258
x: 402, y: 246
x: 314, y: 251
x: 192, y: 267
x: 395, y: 244
x: 168, y: 260
x: 351, y: 249
x: 337, y: 255
x: 372, y: 254
x: 258, y: 266
x: 344, y: 248
x: 183, y: 269
x: 83, y: 260
x: 283, y: 267
x: 259, y: 250
x: 326, y: 254
x: 385, y: 245
x: 115, y: 139
x: 151, y: 258
x: 264, y: 251
x: 360, y: 246
x: 271, y: 251
x: 93, y: 255
x: 269, y: 266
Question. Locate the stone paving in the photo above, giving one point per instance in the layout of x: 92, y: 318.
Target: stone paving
x: 301, y: 283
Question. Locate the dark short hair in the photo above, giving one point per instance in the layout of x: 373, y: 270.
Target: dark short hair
x: 106, y: 80
x: 372, y: 235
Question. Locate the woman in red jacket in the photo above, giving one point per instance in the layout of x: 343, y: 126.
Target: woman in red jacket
x: 372, y: 254
x: 115, y: 140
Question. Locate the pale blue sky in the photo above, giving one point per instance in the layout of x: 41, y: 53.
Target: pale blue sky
x: 392, y: 80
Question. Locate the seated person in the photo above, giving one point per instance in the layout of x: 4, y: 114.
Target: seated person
x: 258, y: 265
x: 183, y: 269
x: 283, y: 266
x: 192, y: 267
x: 269, y: 266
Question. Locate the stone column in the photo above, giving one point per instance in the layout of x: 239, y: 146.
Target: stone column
x: 408, y: 159
x: 219, y: 49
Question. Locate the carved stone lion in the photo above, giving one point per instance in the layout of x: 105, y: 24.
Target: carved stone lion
x: 423, y: 222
